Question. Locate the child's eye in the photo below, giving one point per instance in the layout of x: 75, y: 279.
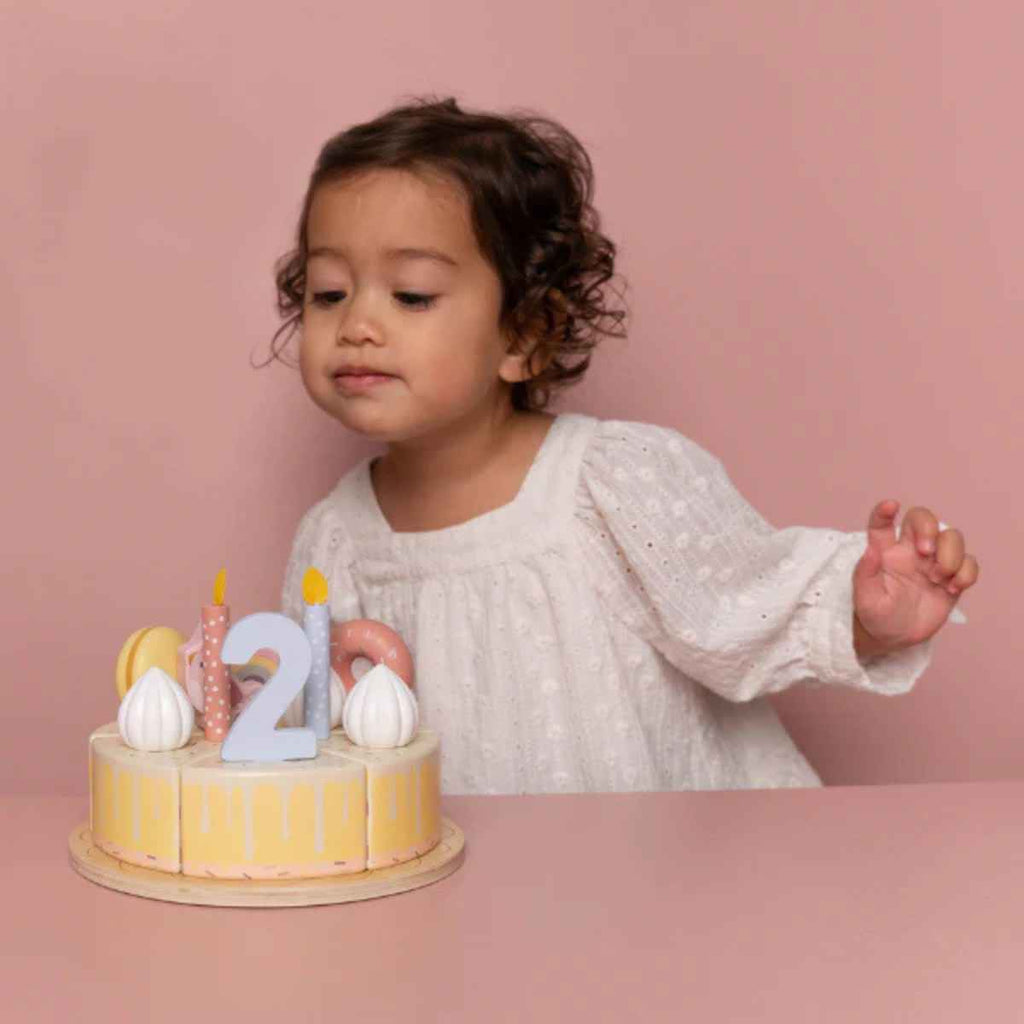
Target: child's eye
x: 414, y: 300
x: 322, y: 298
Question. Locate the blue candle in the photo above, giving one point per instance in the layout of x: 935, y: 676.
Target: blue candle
x: 316, y: 623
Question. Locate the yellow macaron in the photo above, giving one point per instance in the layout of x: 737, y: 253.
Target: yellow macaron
x: 152, y: 645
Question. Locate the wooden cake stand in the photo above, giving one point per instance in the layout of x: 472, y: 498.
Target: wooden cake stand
x: 91, y: 862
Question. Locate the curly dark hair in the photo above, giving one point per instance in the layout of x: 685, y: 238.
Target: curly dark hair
x: 529, y: 183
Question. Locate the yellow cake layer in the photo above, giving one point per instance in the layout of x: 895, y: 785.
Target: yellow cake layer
x: 135, y: 798
x: 403, y: 788
x: 346, y: 810
x: 278, y: 820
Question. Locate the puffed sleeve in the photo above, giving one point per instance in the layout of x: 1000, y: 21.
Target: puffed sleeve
x: 685, y: 562
x: 321, y: 542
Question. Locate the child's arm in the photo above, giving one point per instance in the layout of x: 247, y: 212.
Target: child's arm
x: 682, y: 559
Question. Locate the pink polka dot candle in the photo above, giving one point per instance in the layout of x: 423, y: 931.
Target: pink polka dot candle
x: 215, y: 619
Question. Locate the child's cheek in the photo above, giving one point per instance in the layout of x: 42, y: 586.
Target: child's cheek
x: 306, y: 367
x: 453, y: 383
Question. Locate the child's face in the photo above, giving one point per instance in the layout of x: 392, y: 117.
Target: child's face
x: 429, y: 322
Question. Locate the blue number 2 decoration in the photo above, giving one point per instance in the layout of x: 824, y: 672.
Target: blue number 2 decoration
x: 254, y: 736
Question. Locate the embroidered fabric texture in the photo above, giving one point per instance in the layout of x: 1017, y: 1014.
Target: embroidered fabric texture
x: 616, y: 627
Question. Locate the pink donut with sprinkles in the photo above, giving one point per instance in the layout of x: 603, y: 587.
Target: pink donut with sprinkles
x: 368, y: 638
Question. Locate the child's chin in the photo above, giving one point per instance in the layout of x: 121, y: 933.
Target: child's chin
x: 373, y: 424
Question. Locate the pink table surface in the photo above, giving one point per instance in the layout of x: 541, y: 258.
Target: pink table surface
x: 901, y: 903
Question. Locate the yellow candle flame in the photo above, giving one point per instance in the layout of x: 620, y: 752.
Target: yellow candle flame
x: 219, y: 586
x: 314, y: 587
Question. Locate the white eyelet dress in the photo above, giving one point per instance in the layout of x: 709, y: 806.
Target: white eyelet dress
x: 614, y: 628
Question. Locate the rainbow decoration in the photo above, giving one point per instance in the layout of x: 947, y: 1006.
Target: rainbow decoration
x: 248, y: 679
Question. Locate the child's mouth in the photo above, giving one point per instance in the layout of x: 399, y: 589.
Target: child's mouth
x: 347, y: 381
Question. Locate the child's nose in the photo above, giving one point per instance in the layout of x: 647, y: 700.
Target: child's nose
x: 360, y: 324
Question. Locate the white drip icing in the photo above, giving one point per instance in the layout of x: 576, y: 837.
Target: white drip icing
x: 136, y: 809
x: 286, y: 792
x: 417, y: 781
x: 247, y: 803
x: 318, y: 819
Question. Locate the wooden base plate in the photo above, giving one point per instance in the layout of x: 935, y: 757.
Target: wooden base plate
x: 91, y: 862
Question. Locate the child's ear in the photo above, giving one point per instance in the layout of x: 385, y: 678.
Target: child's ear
x: 523, y: 362
x: 527, y: 354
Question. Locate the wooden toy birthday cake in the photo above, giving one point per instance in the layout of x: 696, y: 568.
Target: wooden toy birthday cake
x: 252, y: 752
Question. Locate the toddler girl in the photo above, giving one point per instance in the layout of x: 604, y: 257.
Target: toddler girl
x: 591, y: 604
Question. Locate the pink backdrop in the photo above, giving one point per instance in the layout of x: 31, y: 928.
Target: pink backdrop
x: 818, y: 211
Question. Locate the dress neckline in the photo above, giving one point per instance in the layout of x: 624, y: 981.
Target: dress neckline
x: 496, y: 516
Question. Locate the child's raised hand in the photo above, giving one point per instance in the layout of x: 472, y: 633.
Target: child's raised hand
x: 904, y: 589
